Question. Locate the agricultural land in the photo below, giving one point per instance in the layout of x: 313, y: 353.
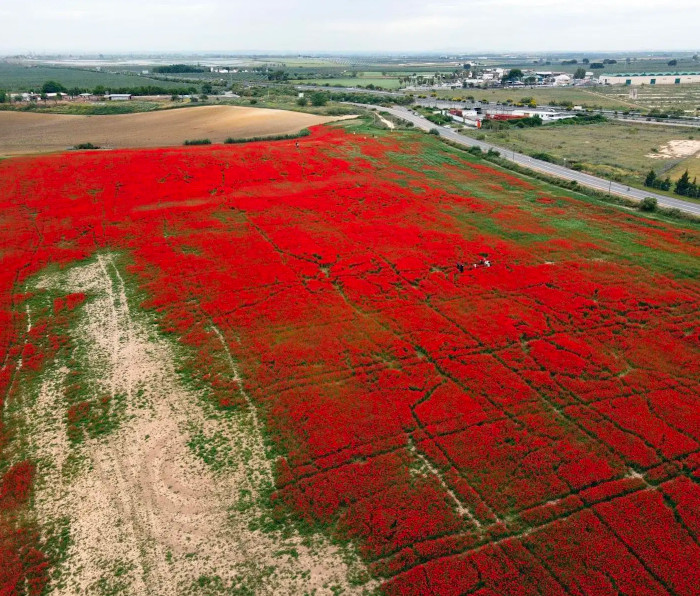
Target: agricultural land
x: 356, y: 362
x: 28, y: 132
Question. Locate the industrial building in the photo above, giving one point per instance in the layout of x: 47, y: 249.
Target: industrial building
x: 476, y: 116
x: 662, y: 78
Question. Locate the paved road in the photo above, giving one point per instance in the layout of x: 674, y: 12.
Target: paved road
x: 526, y: 161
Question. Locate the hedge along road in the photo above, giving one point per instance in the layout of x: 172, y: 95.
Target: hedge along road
x: 599, y: 184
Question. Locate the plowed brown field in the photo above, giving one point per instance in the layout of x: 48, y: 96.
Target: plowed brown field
x: 26, y: 132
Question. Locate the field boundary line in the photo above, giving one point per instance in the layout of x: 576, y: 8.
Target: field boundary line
x: 249, y: 402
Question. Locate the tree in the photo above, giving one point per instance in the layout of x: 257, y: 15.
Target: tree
x: 682, y: 184
x: 302, y: 101
x: 585, y: 60
x: 99, y: 90
x: 514, y: 74
x: 277, y: 75
x: 319, y: 99
x: 580, y: 73
x: 650, y: 179
x: 3, y: 96
x: 43, y: 97
x: 52, y: 87
x: 672, y: 62
x: 207, y: 89
x: 597, y: 65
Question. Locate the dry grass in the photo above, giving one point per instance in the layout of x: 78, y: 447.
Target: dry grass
x: 26, y: 132
x: 612, y: 149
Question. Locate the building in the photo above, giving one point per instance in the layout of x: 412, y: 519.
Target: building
x: 662, y: 78
x: 466, y: 117
x: 476, y: 116
x: 118, y: 96
x: 505, y: 113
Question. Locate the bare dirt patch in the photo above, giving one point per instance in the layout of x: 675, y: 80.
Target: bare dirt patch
x: 677, y: 150
x: 147, y: 511
x: 26, y: 132
x: 387, y: 123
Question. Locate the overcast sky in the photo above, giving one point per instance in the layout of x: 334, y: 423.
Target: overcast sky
x: 346, y: 25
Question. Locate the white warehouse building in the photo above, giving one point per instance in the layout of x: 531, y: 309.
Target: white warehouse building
x: 662, y: 78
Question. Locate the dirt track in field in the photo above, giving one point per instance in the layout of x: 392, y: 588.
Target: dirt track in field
x: 146, y: 514
x: 26, y: 132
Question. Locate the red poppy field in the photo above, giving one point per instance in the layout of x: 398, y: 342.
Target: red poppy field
x: 528, y: 427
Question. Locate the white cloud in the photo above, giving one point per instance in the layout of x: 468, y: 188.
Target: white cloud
x: 346, y: 25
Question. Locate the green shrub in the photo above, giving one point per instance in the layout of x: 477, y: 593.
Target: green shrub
x: 81, y: 146
x: 302, y: 133
x: 648, y: 204
x: 434, y: 131
x: 319, y: 99
x: 198, y: 142
x: 543, y: 156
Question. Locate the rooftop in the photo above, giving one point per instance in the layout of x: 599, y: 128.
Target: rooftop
x: 650, y: 74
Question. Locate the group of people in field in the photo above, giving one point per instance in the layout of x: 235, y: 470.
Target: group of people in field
x: 483, y: 262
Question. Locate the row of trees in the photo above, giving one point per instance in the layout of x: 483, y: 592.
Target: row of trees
x: 320, y: 98
x: 179, y: 68
x: 56, y: 87
x: 653, y: 181
x: 686, y: 188
x: 683, y: 186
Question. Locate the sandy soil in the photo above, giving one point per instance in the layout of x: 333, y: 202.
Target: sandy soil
x: 26, y: 132
x: 677, y: 149
x: 146, y: 514
x: 388, y: 123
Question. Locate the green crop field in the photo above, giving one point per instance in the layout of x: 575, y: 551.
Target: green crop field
x: 385, y: 82
x: 16, y: 77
